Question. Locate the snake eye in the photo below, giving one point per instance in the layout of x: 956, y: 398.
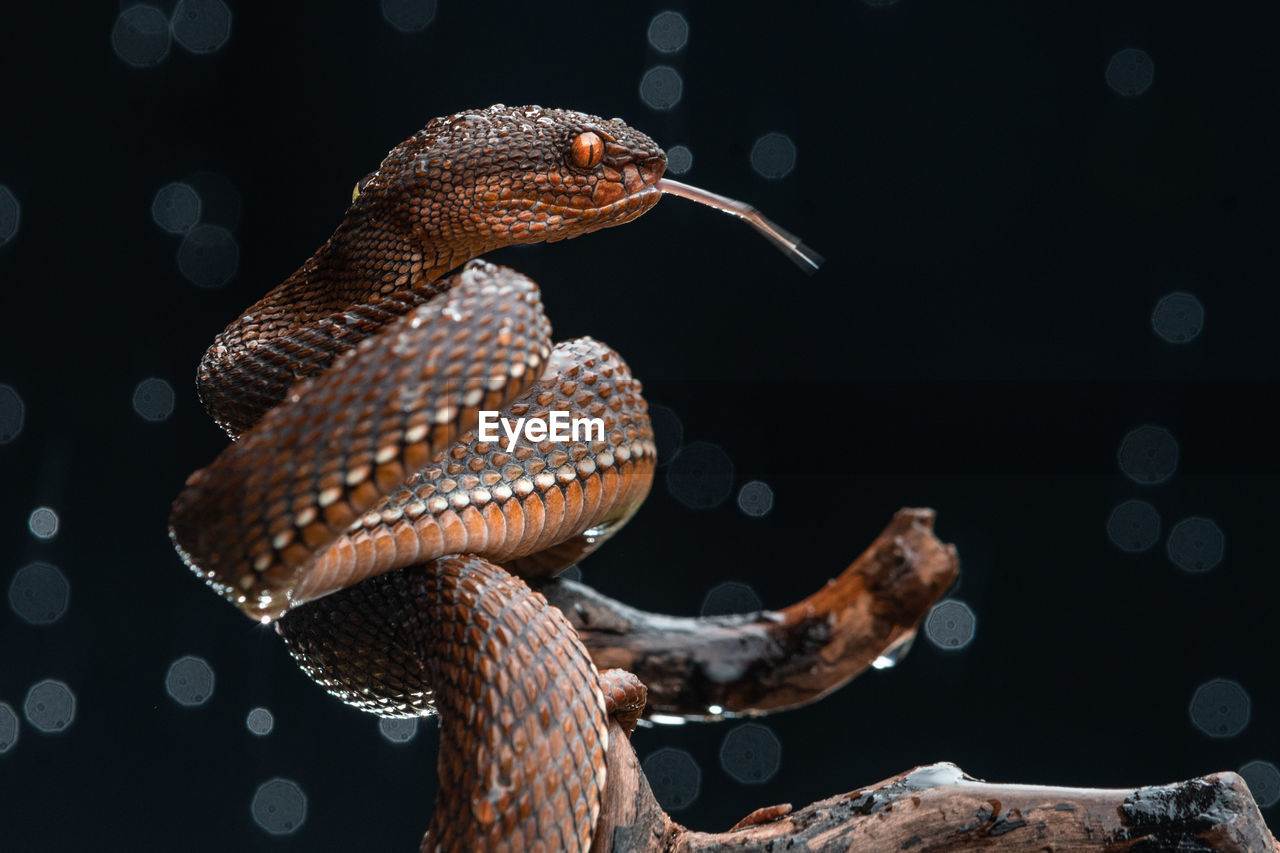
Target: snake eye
x: 586, y: 151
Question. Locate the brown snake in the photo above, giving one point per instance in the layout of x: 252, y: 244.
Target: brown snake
x: 358, y: 508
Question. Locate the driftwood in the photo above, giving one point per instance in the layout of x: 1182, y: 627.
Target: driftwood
x: 771, y: 660
x: 873, y: 608
x: 939, y: 807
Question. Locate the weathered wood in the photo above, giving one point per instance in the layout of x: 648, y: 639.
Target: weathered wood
x: 771, y: 660
x: 940, y: 808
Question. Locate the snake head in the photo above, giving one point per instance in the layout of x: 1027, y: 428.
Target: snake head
x: 476, y: 181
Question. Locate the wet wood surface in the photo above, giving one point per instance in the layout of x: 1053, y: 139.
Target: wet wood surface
x: 770, y: 660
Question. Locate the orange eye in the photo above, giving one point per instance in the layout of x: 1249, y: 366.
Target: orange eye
x: 586, y: 151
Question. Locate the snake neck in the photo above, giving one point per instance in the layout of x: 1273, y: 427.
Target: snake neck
x: 369, y: 272
x: 462, y: 186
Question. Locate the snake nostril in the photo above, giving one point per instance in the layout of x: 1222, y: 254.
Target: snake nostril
x: 652, y: 168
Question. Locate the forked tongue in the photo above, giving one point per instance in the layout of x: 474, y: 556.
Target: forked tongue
x: 807, y: 259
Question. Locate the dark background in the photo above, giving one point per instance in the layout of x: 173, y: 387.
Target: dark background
x: 999, y: 224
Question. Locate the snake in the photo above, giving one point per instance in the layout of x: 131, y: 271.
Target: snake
x: 360, y: 510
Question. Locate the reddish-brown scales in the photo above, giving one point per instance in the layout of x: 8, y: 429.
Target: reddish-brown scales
x: 522, y: 714
x: 462, y: 186
x: 354, y: 389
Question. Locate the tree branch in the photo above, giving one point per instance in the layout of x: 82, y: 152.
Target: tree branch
x: 771, y: 660
x: 941, y: 808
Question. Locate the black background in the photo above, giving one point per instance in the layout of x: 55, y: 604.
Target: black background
x: 999, y: 226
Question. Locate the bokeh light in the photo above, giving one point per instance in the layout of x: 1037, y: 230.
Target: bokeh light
x: 701, y: 475
x: 153, y: 399
x: 39, y: 593
x: 10, y: 214
x: 279, y: 806
x: 208, y: 256
x: 573, y: 573
x: 661, y: 87
x: 202, y: 26
x: 674, y: 776
x: 751, y: 753
x: 260, y: 721
x: 1130, y: 72
x: 189, y: 681
x: 1148, y: 455
x: 1178, y: 318
x: 50, y: 706
x: 398, y: 730
x: 773, y: 156
x: 13, y: 414
x: 668, y: 432
x: 1263, y: 779
x: 729, y: 598
x: 409, y: 16
x: 141, y: 36
x: 1220, y: 708
x: 679, y: 159
x: 1134, y: 526
x: 43, y: 522
x: 1196, y: 544
x: 755, y: 499
x: 950, y: 624
x: 668, y: 32
x: 8, y: 728
x: 176, y: 207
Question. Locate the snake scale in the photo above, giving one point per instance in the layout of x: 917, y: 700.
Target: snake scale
x: 358, y: 509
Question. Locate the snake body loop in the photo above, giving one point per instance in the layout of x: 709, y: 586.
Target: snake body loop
x: 357, y: 507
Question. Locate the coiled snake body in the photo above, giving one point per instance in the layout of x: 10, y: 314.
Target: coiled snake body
x: 357, y: 506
